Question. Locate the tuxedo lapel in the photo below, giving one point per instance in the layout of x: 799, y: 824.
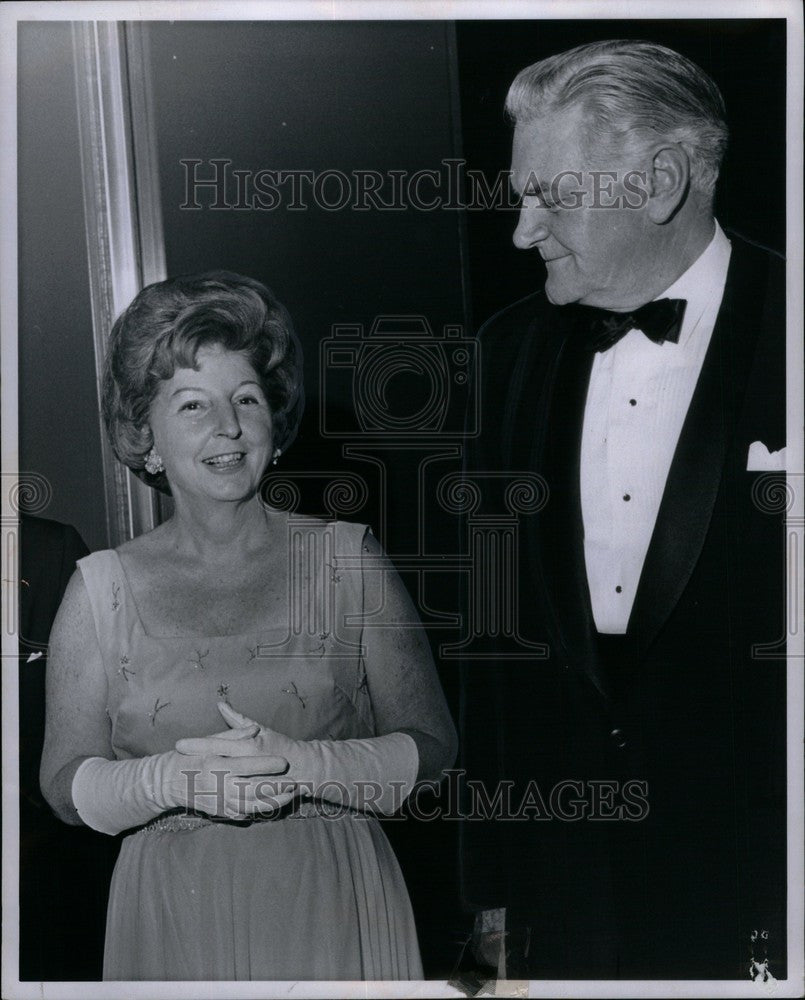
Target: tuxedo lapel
x: 697, y: 468
x: 558, y: 533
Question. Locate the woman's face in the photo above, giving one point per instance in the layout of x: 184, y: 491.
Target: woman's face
x: 212, y: 427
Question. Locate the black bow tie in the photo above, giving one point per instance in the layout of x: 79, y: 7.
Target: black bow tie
x: 660, y: 321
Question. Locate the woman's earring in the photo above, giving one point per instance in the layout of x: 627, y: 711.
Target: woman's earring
x: 276, y: 457
x: 153, y: 463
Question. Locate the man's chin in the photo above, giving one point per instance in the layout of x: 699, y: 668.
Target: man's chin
x: 559, y: 296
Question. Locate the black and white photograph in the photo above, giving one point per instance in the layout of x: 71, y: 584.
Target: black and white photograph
x: 403, y: 506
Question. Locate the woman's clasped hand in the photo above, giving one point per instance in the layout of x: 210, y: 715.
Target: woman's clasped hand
x: 373, y: 775
x: 228, y: 775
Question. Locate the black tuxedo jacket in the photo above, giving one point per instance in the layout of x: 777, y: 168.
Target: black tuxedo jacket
x: 692, y: 704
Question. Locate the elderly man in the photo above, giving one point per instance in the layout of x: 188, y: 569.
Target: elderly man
x: 642, y: 749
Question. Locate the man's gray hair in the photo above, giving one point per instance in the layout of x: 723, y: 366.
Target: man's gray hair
x: 631, y: 90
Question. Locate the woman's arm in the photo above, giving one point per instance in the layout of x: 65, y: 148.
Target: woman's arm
x: 406, y: 694
x: 77, y: 725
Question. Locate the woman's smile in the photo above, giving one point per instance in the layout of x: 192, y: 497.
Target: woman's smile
x: 227, y: 462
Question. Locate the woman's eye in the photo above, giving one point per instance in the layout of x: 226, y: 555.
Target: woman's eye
x: 249, y: 399
x: 191, y: 405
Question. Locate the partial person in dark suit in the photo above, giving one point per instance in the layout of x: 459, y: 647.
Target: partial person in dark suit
x: 64, y: 871
x: 646, y: 385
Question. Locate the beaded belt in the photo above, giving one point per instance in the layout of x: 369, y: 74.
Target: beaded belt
x: 181, y: 820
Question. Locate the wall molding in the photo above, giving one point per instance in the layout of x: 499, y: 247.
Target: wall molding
x: 123, y: 218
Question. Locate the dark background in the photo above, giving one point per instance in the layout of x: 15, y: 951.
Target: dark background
x: 348, y: 95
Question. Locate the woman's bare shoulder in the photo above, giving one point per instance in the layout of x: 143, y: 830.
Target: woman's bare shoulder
x: 148, y: 553
x: 281, y: 520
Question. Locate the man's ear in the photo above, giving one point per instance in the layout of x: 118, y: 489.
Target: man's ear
x: 669, y: 182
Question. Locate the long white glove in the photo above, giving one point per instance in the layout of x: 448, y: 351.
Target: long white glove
x: 116, y: 795
x: 374, y: 775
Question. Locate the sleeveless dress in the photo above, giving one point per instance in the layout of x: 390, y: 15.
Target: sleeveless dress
x: 315, y: 894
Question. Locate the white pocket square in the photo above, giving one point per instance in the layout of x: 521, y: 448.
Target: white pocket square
x: 760, y: 459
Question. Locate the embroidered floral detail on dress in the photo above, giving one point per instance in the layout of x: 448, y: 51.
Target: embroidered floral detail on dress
x: 294, y: 691
x: 115, y: 595
x: 223, y: 691
x: 335, y: 576
x: 198, y: 662
x: 123, y: 669
x: 152, y: 715
x: 363, y: 683
x: 253, y: 653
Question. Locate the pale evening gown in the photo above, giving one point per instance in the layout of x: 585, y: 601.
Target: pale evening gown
x: 307, y: 896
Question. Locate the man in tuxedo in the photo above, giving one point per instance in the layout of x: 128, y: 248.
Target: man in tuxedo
x: 642, y: 747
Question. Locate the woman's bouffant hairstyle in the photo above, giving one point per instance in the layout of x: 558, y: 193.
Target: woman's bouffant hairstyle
x: 631, y: 90
x: 163, y: 329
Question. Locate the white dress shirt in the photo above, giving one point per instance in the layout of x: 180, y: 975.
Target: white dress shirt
x: 637, y: 400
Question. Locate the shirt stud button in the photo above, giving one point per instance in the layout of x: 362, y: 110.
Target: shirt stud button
x: 618, y: 738
x: 618, y: 589
x: 626, y: 497
x: 632, y: 402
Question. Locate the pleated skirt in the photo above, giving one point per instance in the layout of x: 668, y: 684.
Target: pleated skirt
x: 301, y: 898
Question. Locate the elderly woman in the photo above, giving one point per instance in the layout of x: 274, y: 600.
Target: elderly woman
x: 233, y: 690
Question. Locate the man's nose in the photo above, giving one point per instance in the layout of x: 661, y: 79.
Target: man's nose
x: 228, y: 424
x: 532, y: 227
